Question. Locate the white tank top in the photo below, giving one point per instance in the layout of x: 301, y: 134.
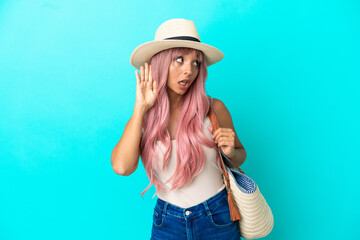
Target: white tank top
x: 205, y: 185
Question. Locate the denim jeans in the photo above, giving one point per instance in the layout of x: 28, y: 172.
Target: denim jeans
x: 207, y: 220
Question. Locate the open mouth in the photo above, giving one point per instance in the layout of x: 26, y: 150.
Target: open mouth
x: 183, y: 83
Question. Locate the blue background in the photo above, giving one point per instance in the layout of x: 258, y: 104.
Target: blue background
x: 290, y: 79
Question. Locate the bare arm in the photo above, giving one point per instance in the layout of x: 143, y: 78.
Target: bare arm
x: 225, y: 121
x: 125, y: 155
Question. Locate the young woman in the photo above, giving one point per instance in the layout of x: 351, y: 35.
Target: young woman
x: 171, y: 130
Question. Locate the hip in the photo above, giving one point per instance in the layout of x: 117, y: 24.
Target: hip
x: 207, y: 220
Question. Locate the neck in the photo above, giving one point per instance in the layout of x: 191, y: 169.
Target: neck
x: 176, y: 100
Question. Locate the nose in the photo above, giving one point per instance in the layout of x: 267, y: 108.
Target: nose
x: 188, y: 69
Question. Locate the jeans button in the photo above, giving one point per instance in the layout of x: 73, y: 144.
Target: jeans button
x: 187, y: 213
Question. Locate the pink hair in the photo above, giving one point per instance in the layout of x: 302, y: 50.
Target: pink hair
x: 189, y: 133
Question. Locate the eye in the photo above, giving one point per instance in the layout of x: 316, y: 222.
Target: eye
x: 196, y: 63
x: 179, y: 59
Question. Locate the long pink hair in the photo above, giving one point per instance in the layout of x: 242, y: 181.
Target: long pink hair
x: 189, y: 134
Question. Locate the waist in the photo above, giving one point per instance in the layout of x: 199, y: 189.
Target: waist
x: 193, y: 211
x: 203, y: 187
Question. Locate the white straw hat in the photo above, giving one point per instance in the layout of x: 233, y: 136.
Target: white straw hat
x: 171, y: 34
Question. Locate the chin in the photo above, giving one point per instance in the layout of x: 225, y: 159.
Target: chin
x: 181, y: 92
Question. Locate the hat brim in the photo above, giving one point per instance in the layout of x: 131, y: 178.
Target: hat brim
x: 144, y: 52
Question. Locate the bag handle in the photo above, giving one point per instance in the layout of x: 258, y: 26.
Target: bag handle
x: 228, y: 159
x: 234, y: 211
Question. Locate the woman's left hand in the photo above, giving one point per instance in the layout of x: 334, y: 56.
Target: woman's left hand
x: 225, y: 139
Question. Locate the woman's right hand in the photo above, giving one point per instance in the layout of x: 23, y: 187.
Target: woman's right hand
x: 146, y: 88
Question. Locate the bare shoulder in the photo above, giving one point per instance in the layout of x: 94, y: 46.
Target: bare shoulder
x: 221, y: 111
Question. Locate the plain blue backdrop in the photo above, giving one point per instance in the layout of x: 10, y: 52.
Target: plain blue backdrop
x: 290, y: 79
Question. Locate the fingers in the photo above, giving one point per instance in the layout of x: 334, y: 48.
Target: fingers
x: 138, y: 81
x: 142, y: 74
x: 145, y: 78
x: 224, y: 134
x: 155, y: 86
x: 146, y: 72
x: 150, y: 74
x: 226, y: 139
x: 226, y: 144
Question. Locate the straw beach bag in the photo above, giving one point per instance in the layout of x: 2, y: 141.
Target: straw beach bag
x: 256, y: 219
x: 246, y: 203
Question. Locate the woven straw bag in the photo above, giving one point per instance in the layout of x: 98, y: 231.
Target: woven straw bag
x: 256, y: 218
x: 246, y: 203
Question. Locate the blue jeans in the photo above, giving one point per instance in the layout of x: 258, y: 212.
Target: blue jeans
x: 207, y: 220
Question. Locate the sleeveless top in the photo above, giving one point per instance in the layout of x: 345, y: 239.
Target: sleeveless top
x: 205, y: 185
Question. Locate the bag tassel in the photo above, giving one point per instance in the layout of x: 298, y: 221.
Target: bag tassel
x: 234, y: 211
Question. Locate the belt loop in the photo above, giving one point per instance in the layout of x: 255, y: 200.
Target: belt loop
x: 207, y: 208
x: 165, y: 208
